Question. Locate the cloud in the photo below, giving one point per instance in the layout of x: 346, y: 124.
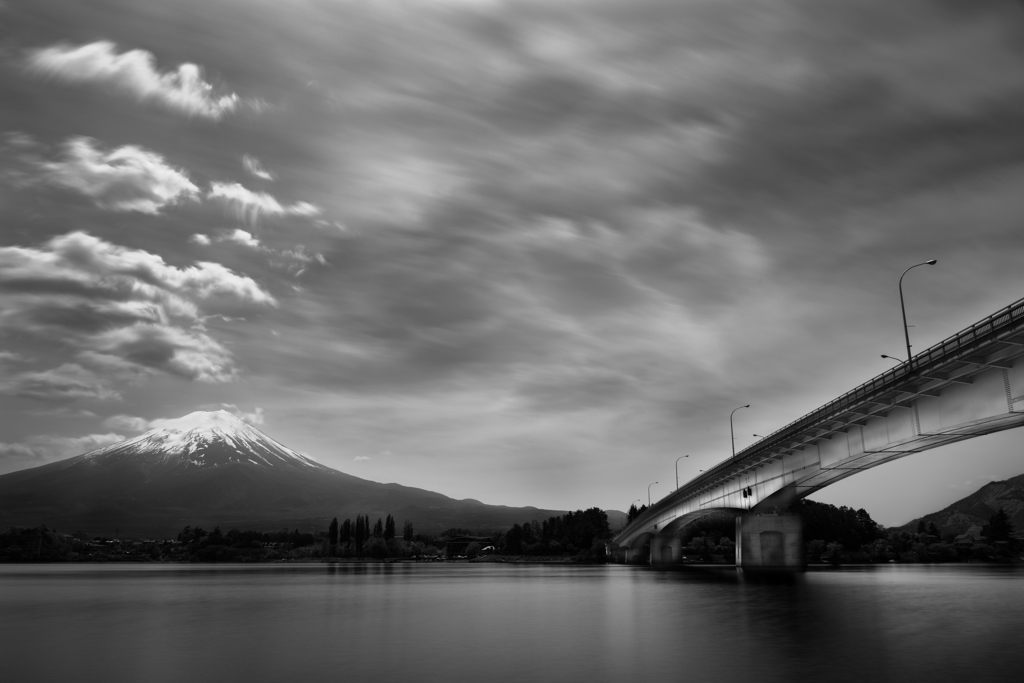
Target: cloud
x: 128, y: 423
x: 191, y: 354
x: 295, y: 261
x: 252, y: 166
x: 20, y: 160
x: 78, y: 262
x: 402, y: 189
x: 124, y: 311
x: 132, y: 423
x: 361, y: 458
x: 249, y: 205
x: 128, y: 178
x: 42, y: 449
x: 183, y: 90
x: 67, y: 382
x: 253, y: 418
x: 242, y: 237
x: 11, y: 451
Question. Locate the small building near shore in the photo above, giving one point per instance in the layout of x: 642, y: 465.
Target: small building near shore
x: 459, y: 544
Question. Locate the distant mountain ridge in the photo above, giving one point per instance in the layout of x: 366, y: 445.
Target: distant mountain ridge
x: 977, y: 508
x: 212, y: 469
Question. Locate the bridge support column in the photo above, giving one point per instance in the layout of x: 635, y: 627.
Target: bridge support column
x: 770, y: 542
x: 633, y: 556
x: 666, y: 551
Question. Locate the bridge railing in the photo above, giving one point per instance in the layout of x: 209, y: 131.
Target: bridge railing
x: 979, y: 332
x: 944, y: 350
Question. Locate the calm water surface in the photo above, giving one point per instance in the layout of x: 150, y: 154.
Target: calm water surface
x: 456, y: 622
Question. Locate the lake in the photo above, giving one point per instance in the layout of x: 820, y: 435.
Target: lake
x: 504, y: 622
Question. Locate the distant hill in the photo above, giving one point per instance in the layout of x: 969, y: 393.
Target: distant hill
x: 977, y: 508
x: 616, y: 519
x: 211, y: 469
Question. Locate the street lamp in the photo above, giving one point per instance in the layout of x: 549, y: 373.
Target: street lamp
x: 731, y: 433
x: 903, y: 308
x: 677, y: 469
x: 649, y: 493
x: 898, y: 360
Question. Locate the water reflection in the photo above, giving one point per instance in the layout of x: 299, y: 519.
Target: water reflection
x: 395, y: 622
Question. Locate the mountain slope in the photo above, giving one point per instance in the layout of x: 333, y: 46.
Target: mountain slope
x: 977, y: 508
x: 212, y: 469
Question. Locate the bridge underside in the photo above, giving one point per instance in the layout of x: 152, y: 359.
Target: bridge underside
x: 945, y: 398
x: 763, y: 542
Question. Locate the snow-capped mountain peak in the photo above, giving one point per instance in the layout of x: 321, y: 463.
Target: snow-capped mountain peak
x: 206, y: 420
x: 205, y: 439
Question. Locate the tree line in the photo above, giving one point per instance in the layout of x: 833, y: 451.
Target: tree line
x: 837, y: 535
x: 359, y: 539
x: 581, y: 533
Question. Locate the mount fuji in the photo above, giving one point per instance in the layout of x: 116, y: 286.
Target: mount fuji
x: 210, y: 469
x: 205, y: 439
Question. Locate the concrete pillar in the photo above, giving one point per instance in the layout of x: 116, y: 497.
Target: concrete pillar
x: 666, y: 551
x: 770, y: 542
x: 633, y: 555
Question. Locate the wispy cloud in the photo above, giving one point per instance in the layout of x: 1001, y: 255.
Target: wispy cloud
x: 40, y: 449
x: 67, y: 382
x: 295, y: 260
x: 255, y: 417
x: 132, y: 423
x: 253, y: 166
x: 134, y: 72
x: 249, y: 205
x: 127, y: 178
x: 127, y: 423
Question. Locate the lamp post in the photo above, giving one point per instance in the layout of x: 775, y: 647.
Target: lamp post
x: 903, y: 308
x: 677, y: 469
x: 649, y: 493
x: 731, y: 433
x: 898, y: 360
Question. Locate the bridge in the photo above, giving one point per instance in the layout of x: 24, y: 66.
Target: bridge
x: 965, y: 386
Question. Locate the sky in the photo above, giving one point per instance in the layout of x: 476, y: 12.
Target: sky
x: 526, y: 252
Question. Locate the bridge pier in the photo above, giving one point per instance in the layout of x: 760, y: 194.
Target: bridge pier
x: 770, y: 542
x: 634, y: 556
x: 666, y: 551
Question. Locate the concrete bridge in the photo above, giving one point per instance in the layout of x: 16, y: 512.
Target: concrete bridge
x: 965, y: 386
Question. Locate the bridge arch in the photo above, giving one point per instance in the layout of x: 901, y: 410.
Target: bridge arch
x: 634, y: 550
x: 667, y: 546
